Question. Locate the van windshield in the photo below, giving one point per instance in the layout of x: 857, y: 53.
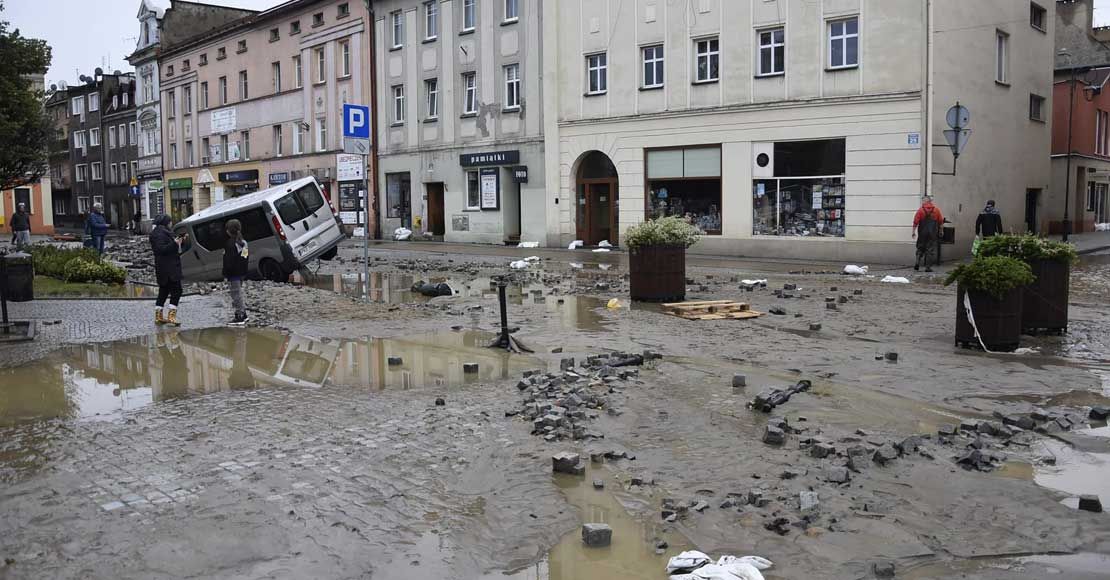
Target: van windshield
x: 299, y: 204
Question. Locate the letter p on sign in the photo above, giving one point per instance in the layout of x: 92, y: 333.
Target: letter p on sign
x: 356, y: 121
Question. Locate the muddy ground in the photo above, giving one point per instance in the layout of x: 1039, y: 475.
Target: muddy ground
x: 294, y: 448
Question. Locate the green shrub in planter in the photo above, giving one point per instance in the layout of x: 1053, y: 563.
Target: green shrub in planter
x: 996, y: 275
x: 1028, y: 249
x: 667, y: 231
x: 82, y: 270
x: 52, y: 260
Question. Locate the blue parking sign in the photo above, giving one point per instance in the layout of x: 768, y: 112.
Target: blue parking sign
x: 356, y: 121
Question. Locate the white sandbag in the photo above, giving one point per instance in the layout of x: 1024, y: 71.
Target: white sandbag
x: 518, y: 265
x: 604, y: 244
x: 528, y: 245
x: 401, y: 234
x: 576, y: 265
x: 576, y: 244
x: 687, y: 561
x: 753, y: 282
x: 532, y: 259
x: 604, y: 266
x: 895, y: 280
x: 729, y: 568
x: 600, y: 250
x: 1102, y: 227
x: 855, y: 270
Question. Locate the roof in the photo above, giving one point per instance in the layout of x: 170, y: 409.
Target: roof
x: 251, y: 19
x: 249, y: 199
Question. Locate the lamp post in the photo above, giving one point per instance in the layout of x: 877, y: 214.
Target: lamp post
x: 1067, y: 175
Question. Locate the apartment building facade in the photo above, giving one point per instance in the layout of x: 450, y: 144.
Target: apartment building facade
x: 257, y: 101
x: 61, y: 165
x: 460, y: 118
x: 790, y: 128
x: 85, y: 153
x: 119, y: 141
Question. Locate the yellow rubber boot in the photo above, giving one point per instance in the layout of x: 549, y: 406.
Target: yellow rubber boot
x: 171, y: 319
x: 158, y: 318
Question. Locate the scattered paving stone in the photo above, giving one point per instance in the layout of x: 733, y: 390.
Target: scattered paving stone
x: 821, y: 450
x: 908, y: 445
x: 777, y: 311
x: 440, y: 402
x: 830, y: 305
x: 815, y: 326
x: 1090, y: 503
x: 858, y: 457
x: 885, y: 455
x: 700, y: 506
x: 883, y: 569
x: 842, y: 299
x: 567, y: 462
x: 780, y: 526
x: 1099, y: 413
x: 947, y: 430
x: 599, y: 484
x: 789, y: 286
x: 597, y: 535
x: 566, y: 364
x: 739, y: 380
x: 891, y: 356
x: 807, y: 501
x: 857, y: 292
x: 774, y: 436
x: 1021, y: 421
x: 470, y: 368
x: 837, y: 474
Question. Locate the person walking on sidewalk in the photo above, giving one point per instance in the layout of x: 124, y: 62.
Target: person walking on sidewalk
x: 989, y: 222
x: 96, y: 228
x: 21, y: 227
x: 167, y: 268
x: 926, y: 229
x: 236, y: 258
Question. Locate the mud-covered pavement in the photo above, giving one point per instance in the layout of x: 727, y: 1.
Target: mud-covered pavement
x: 295, y: 449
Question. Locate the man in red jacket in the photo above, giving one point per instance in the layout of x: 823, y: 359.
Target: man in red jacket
x: 926, y: 222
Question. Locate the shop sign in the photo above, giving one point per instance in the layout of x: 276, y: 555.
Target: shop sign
x: 244, y: 175
x: 279, y: 178
x: 488, y: 182
x: 349, y: 217
x: 154, y: 185
x: 520, y: 174
x: 348, y: 167
x: 491, y: 158
x: 223, y: 120
x: 182, y: 183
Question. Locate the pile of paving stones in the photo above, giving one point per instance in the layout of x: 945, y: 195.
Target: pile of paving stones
x: 979, y: 442
x: 560, y: 405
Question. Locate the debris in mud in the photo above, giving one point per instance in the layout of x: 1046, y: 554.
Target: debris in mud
x: 433, y: 290
x: 774, y: 436
x: 883, y: 569
x: 808, y: 501
x: 837, y: 474
x: 597, y: 535
x: 599, y: 484
x: 1099, y: 413
x: 780, y: 526
x: 885, y: 454
x: 440, y: 402
x: 470, y: 368
x: 567, y: 462
x: 767, y: 400
x: 1090, y: 503
x: 777, y: 311
x: 739, y: 381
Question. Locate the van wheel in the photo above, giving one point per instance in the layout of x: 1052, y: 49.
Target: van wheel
x: 271, y: 270
x: 330, y: 254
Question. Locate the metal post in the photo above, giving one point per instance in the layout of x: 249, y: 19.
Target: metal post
x: 1067, y: 181
x: 4, y: 292
x: 504, y: 312
x: 365, y: 230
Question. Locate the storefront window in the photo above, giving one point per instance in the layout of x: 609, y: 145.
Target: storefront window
x: 686, y: 182
x: 397, y: 195
x: 805, y: 197
x: 473, y: 192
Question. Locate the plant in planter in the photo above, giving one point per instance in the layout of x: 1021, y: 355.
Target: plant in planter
x: 1045, y: 301
x: 657, y: 258
x: 993, y: 287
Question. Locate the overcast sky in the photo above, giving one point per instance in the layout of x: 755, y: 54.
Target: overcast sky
x: 86, y: 34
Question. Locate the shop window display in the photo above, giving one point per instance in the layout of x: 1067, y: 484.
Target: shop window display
x: 806, y: 197
x: 685, y: 183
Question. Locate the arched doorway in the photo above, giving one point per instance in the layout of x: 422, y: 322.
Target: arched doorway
x: 596, y: 199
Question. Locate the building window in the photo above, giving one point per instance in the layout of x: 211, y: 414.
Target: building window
x: 94, y: 137
x: 111, y: 137
x: 173, y: 155
x: 97, y: 174
x: 1037, y: 16
x: 187, y: 99
x: 597, y: 72
x: 204, y: 95
x: 470, y: 93
x: 124, y: 97
x: 398, y: 104
x: 512, y: 86
x: 398, y: 19
x: 275, y: 76
x: 799, y: 189
x: 171, y: 105
x: 242, y: 47
x: 431, y: 19
x: 1001, y: 57
x: 243, y: 94
x: 431, y: 91
x: 113, y: 173
x: 1102, y: 136
x: 169, y: 70
x: 468, y: 15
x: 132, y: 138
x: 298, y: 137
x: 134, y: 168
x: 685, y: 182
x: 279, y: 148
x: 512, y: 11
x: 59, y: 206
x: 83, y: 204
x: 79, y: 140
x: 202, y: 59
x: 275, y: 34
x: 82, y: 173
x: 224, y: 154
x: 473, y: 191
x: 320, y: 72
x: 772, y: 51
x: 185, y: 65
x: 295, y: 27
x: 205, y: 151
x: 245, y: 144
x: 653, y: 66
x: 708, y: 59
x: 343, y: 10
x: 122, y: 131
x: 844, y: 43
x: 222, y: 89
x: 1036, y: 107
x: 94, y: 102
x: 190, y: 158
x: 345, y: 58
x: 221, y: 53
x: 318, y: 19
x: 148, y: 86
x: 297, y: 78
x: 397, y: 195
x: 321, y: 135
x: 78, y: 105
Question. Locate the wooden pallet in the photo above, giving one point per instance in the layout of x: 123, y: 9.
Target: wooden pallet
x: 711, y: 310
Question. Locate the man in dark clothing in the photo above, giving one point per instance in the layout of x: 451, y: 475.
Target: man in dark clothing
x: 21, y: 227
x: 926, y: 228
x: 989, y: 223
x: 96, y: 227
x: 167, y: 269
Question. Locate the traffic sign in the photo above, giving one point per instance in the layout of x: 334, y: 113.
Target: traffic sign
x: 957, y: 140
x: 958, y: 117
x: 356, y: 121
x: 356, y: 146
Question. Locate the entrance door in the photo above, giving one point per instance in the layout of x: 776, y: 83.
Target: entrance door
x: 436, y: 225
x: 1031, y: 196
x: 596, y: 200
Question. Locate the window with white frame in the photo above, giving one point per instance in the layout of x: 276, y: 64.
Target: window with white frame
x: 171, y: 104
x: 512, y: 86
x: 205, y: 151
x: 97, y: 172
x: 345, y: 58
x: 708, y: 52
x: 187, y: 99
x: 190, y: 156
x: 321, y: 73
x: 132, y: 136
x: 473, y: 191
x: 134, y: 168
x: 653, y: 66
x: 398, y: 19
x: 597, y: 73
x: 83, y: 205
x: 844, y: 43
x: 243, y: 91
x: 124, y: 98
x: 94, y: 102
x: 94, y: 137
x: 245, y: 144
x: 1036, y: 107
x: 225, y: 150
x: 772, y: 51
x: 111, y: 137
x: 275, y: 76
x: 512, y: 10
x: 298, y: 79
x: 470, y: 93
x: 77, y: 105
x: 431, y: 19
x: 222, y: 89
x: 113, y: 173
x: 298, y: 137
x: 468, y: 15
x: 79, y: 140
x: 431, y: 96
x: 321, y: 134
x: 122, y: 135
x: 173, y: 155
x: 1037, y: 16
x: 279, y: 148
x: 398, y: 104
x: 82, y: 172
x: 1001, y: 57
x: 203, y: 95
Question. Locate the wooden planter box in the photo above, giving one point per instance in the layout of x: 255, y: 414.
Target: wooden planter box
x: 657, y: 273
x: 999, y: 321
x: 1045, y: 301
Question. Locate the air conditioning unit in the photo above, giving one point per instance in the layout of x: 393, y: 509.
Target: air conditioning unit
x: 763, y: 160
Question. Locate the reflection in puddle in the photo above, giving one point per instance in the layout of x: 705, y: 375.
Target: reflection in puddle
x: 1075, y: 472
x: 387, y: 288
x: 104, y: 380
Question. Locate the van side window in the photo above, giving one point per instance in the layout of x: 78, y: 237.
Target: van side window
x: 290, y: 209
x: 255, y: 224
x: 213, y: 234
x: 210, y: 235
x: 311, y: 198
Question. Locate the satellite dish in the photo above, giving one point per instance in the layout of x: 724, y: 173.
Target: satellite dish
x: 99, y: 71
x: 116, y: 72
x: 53, y: 87
x: 82, y: 78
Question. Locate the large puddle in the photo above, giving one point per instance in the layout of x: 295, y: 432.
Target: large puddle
x: 107, y: 379
x: 388, y: 288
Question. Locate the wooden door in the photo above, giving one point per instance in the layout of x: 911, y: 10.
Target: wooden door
x: 436, y: 220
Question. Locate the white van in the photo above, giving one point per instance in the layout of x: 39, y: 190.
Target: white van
x: 286, y: 226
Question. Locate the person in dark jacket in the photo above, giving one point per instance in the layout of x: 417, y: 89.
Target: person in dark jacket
x: 989, y: 223
x: 236, y: 258
x: 97, y: 227
x: 167, y: 268
x: 21, y: 227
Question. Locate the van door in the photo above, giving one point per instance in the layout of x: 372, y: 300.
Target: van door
x: 208, y: 247
x: 191, y: 267
x: 311, y: 227
x: 261, y: 240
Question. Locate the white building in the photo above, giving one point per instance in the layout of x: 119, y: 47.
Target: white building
x: 145, y: 61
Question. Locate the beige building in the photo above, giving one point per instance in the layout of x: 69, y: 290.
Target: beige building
x: 258, y: 102
x: 791, y: 128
